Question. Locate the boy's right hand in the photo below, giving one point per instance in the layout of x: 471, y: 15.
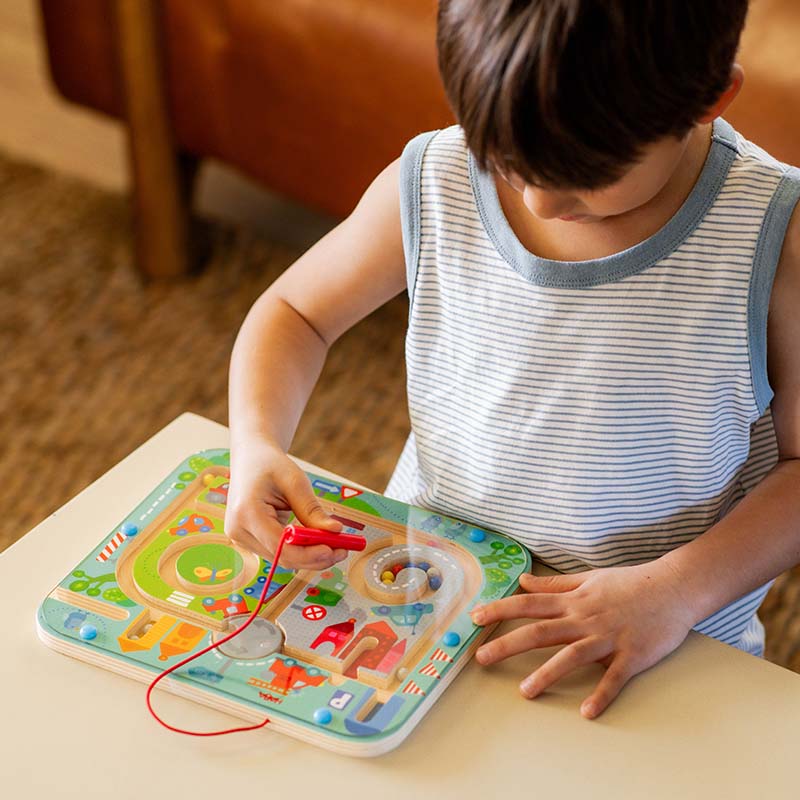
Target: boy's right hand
x: 266, y: 486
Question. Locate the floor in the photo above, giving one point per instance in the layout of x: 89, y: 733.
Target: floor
x: 84, y: 378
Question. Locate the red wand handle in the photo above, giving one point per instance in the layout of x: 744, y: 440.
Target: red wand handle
x: 302, y: 536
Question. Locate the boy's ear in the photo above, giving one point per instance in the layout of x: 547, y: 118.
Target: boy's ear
x: 727, y: 97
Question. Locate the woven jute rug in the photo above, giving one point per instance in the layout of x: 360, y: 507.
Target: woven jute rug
x: 94, y: 361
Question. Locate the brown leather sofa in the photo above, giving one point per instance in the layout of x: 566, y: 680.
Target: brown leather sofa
x: 310, y: 97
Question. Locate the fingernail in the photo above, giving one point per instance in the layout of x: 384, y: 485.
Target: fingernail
x: 477, y: 614
x: 527, y: 687
x: 482, y: 654
x: 589, y: 710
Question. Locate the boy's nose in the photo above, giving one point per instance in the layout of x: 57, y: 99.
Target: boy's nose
x: 546, y: 203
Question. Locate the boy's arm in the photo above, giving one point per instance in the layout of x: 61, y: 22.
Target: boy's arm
x: 629, y: 618
x: 760, y: 537
x: 278, y: 356
x: 285, y: 337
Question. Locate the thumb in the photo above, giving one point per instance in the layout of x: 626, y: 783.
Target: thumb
x: 306, y: 506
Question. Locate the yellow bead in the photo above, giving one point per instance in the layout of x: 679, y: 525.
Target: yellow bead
x: 208, y: 479
x: 387, y: 577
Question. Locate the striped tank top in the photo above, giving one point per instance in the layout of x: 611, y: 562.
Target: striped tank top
x: 601, y: 412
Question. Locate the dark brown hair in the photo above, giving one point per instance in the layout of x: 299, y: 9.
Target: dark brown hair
x: 568, y: 92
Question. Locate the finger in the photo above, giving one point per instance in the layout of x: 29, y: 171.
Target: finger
x: 551, y: 583
x: 527, y: 637
x: 263, y: 524
x: 569, y: 658
x: 246, y: 541
x: 606, y: 691
x: 315, y: 557
x: 531, y: 606
x: 256, y: 521
x: 305, y: 504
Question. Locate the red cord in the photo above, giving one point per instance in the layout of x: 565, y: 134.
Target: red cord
x: 261, y: 601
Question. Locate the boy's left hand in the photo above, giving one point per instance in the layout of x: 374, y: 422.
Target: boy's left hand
x: 626, y: 618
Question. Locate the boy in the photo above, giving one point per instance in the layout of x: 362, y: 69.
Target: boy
x: 589, y: 258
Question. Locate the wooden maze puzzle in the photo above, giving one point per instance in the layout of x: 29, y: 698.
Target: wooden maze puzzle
x: 349, y: 658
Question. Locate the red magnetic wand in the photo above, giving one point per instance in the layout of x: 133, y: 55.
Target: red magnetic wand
x: 304, y: 537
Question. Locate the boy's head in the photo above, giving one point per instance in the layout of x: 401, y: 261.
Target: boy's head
x: 572, y: 93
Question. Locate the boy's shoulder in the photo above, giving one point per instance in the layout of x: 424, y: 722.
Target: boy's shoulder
x: 783, y: 357
x: 783, y: 211
x: 445, y: 143
x: 758, y: 183
x: 751, y: 155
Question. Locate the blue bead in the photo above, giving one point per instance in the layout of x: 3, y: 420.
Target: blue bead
x: 476, y: 535
x: 129, y: 529
x: 322, y: 716
x: 87, y: 632
x: 434, y: 582
x: 451, y: 639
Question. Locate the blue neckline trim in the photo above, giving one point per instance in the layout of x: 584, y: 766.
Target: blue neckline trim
x: 574, y: 274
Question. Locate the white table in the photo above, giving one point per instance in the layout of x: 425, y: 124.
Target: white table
x: 708, y: 722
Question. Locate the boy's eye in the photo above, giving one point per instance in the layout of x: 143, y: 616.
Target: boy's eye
x: 516, y: 182
x: 512, y: 179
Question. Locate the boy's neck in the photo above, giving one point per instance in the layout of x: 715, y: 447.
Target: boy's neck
x: 546, y: 238
x: 674, y: 193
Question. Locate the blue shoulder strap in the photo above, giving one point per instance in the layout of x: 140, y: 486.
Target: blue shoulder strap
x: 767, y: 255
x: 410, y: 172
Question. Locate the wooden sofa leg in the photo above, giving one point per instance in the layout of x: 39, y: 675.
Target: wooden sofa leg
x: 162, y: 177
